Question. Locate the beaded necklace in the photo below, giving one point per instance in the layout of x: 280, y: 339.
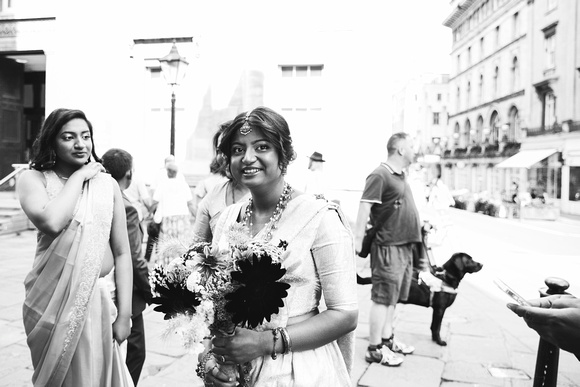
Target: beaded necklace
x: 276, y: 215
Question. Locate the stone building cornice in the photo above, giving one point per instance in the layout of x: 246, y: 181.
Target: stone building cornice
x: 483, y: 105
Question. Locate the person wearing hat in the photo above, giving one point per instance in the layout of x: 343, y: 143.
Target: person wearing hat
x: 315, y: 179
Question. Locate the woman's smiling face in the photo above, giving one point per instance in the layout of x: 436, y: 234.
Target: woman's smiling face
x: 254, y: 160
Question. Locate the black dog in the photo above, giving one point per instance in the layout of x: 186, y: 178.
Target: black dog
x: 451, y: 274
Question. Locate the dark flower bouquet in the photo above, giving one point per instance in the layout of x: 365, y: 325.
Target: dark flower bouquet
x: 206, y: 290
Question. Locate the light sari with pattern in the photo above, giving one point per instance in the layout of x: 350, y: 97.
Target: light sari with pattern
x: 68, y: 312
x: 320, y: 264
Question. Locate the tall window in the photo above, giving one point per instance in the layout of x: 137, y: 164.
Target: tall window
x: 458, y: 99
x: 515, y: 73
x: 458, y: 63
x: 514, y: 123
x: 480, y: 90
x: 468, y: 97
x: 494, y: 127
x: 439, y: 97
x: 516, y: 25
x: 550, y: 49
x: 456, y: 135
x: 467, y: 133
x: 495, y: 82
x: 468, y: 56
x: 549, y: 116
x: 436, y: 118
x: 497, y: 37
x: 481, y: 48
x: 479, y: 129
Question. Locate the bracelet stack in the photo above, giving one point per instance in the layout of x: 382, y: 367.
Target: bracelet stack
x: 200, y: 370
x: 275, y: 334
x: 286, y: 342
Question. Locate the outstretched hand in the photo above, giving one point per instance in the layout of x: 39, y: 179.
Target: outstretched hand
x: 555, y: 318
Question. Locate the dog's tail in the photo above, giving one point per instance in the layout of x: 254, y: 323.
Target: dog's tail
x: 363, y: 280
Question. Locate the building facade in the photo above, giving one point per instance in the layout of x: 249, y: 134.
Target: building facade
x: 420, y: 108
x: 514, y: 97
x: 102, y: 58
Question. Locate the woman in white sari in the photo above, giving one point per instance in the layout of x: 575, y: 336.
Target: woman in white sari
x: 316, y: 346
x: 71, y: 324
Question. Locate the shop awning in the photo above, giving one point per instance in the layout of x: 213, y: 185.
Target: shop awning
x: 526, y: 158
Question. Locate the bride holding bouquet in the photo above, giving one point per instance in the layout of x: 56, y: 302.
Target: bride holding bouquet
x: 300, y: 345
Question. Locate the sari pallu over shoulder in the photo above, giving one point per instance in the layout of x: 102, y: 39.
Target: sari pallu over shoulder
x: 61, y: 285
x: 330, y: 364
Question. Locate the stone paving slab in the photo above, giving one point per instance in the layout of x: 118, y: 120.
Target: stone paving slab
x: 470, y: 372
x: 405, y: 375
x: 481, y: 332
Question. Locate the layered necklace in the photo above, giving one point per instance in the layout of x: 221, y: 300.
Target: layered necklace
x: 272, y: 224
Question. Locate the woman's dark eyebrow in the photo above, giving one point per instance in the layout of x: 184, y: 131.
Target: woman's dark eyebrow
x: 253, y: 142
x: 70, y: 132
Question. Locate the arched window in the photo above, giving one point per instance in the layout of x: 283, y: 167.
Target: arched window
x: 495, y: 82
x: 467, y: 134
x: 494, y: 127
x: 456, y: 135
x: 514, y: 123
x: 479, y: 129
x: 515, y: 74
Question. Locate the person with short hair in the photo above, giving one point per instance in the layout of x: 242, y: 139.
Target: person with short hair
x: 388, y: 199
x: 119, y: 163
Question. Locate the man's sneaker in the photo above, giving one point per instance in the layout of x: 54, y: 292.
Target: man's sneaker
x: 384, y: 356
x: 398, y: 347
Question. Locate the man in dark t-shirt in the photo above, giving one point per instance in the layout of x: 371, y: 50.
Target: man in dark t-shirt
x: 388, y: 200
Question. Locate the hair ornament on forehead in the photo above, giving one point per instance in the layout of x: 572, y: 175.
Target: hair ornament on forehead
x: 246, y: 128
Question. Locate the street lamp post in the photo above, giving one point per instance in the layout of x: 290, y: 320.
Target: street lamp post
x: 173, y: 67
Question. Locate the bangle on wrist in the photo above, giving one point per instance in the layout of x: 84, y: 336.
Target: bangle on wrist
x: 200, y: 370
x: 275, y: 335
x: 286, y: 341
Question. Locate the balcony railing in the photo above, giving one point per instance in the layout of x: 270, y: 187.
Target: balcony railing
x: 504, y: 149
x: 543, y: 130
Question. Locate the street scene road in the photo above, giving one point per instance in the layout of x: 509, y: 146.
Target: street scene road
x: 483, y: 335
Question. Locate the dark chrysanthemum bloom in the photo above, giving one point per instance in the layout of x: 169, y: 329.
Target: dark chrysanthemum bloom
x: 174, y: 300
x: 259, y: 295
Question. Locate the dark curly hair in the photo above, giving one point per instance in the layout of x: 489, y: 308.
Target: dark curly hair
x: 218, y: 164
x: 272, y: 125
x: 44, y: 145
